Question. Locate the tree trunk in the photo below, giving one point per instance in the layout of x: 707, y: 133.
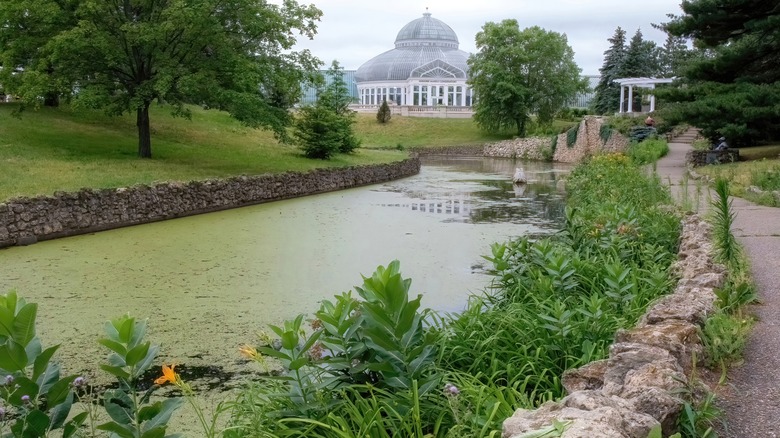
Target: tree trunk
x: 144, y: 133
x: 51, y: 99
x: 520, y: 126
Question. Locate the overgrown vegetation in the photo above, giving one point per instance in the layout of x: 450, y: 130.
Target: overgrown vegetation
x: 648, y: 151
x: 724, y: 334
x: 757, y: 181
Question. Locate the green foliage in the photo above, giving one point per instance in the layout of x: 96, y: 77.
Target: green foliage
x: 507, y: 99
x: 648, y: 151
x: 558, y: 301
x: 724, y: 337
x: 605, y: 132
x: 233, y: 56
x: 358, y: 346
x: 131, y: 412
x: 726, y: 246
x: 607, y: 97
x: 383, y: 115
x: 326, y: 128
x: 571, y: 135
x: 698, y: 418
x: 36, y: 398
x: 768, y: 180
x: 734, y: 89
x: 318, y: 131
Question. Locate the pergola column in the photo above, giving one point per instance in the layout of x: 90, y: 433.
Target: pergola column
x: 652, y: 102
x: 631, y: 98
x: 622, y: 97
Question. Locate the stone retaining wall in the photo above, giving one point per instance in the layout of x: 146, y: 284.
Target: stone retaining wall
x: 588, y: 142
x: 466, y: 151
x: 703, y: 158
x: 633, y: 391
x: 27, y: 220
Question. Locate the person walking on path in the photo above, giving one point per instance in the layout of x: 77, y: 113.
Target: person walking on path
x: 751, y: 401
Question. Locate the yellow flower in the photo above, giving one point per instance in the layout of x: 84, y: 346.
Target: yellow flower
x: 168, y: 375
x: 248, y: 352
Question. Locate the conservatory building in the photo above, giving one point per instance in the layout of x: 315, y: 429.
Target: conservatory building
x: 425, y: 69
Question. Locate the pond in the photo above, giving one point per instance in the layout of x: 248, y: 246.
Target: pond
x: 209, y: 283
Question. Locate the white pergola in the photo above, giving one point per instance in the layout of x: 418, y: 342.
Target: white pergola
x: 630, y: 83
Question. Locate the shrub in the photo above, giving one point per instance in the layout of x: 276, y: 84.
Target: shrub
x: 571, y: 135
x: 383, y: 115
x: 648, y: 151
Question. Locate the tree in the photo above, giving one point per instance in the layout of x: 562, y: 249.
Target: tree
x: 326, y: 127
x: 734, y: 91
x: 383, y: 115
x: 607, y: 98
x: 515, y: 74
x: 122, y: 55
x: 26, y: 27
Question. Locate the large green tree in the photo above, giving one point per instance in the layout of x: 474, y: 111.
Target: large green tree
x: 607, y: 98
x: 26, y: 27
x: 234, y: 55
x: 735, y: 90
x: 516, y: 74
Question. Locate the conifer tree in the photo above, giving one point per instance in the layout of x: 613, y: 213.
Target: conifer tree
x: 607, y: 91
x: 383, y: 115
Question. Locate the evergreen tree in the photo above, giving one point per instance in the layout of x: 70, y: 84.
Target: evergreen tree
x: 607, y: 98
x: 735, y: 91
x: 641, y: 61
x: 326, y: 127
x: 383, y: 115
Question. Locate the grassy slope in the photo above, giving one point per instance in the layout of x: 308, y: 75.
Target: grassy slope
x: 761, y: 161
x: 67, y: 149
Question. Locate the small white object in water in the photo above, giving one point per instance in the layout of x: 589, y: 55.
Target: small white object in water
x: 519, y: 177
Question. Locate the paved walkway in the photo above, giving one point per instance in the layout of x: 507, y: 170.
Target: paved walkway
x: 752, y: 401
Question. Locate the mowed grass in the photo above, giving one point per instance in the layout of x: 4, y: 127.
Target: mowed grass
x: 67, y: 149
x: 414, y: 132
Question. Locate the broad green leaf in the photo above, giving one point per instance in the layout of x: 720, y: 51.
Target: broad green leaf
x: 119, y: 406
x: 58, y: 412
x: 49, y: 377
x: 289, y: 340
x: 120, y: 430
x: 139, y: 331
x: 113, y: 346
x: 268, y: 351
x: 298, y: 363
x: 42, y: 361
x: 74, y: 425
x: 33, y: 349
x: 655, y: 432
x: 148, y: 412
x: 12, y: 356
x: 157, y: 432
x: 115, y: 371
x: 60, y: 391
x: 6, y: 322
x: 23, y: 386
x: 144, y: 364
x: 37, y: 423
x: 125, y: 330
x: 161, y: 419
x: 24, y: 324
x: 137, y: 354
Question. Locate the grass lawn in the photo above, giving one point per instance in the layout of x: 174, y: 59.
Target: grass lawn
x: 421, y: 132
x: 761, y: 169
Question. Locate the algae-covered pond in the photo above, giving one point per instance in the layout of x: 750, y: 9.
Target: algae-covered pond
x: 209, y: 283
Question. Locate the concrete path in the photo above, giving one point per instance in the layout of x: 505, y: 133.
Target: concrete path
x: 752, y: 400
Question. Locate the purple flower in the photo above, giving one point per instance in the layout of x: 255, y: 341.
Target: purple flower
x: 9, y: 379
x: 451, y: 390
x: 79, y: 382
x: 25, y: 399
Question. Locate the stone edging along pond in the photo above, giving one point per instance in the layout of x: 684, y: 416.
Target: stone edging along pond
x: 27, y: 220
x: 634, y: 390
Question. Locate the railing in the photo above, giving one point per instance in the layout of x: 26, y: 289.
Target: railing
x: 433, y: 111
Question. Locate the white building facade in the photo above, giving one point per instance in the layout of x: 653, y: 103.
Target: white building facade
x: 426, y: 68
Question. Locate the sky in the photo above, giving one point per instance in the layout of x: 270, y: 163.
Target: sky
x: 354, y: 31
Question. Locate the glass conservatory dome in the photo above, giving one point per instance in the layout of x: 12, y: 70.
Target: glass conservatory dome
x: 424, y: 48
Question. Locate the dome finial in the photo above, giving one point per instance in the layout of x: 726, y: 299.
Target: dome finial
x: 426, y: 13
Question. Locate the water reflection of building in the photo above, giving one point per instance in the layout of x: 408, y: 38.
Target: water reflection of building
x: 459, y: 206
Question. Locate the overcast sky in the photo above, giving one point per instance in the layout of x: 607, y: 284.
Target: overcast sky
x: 354, y: 31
